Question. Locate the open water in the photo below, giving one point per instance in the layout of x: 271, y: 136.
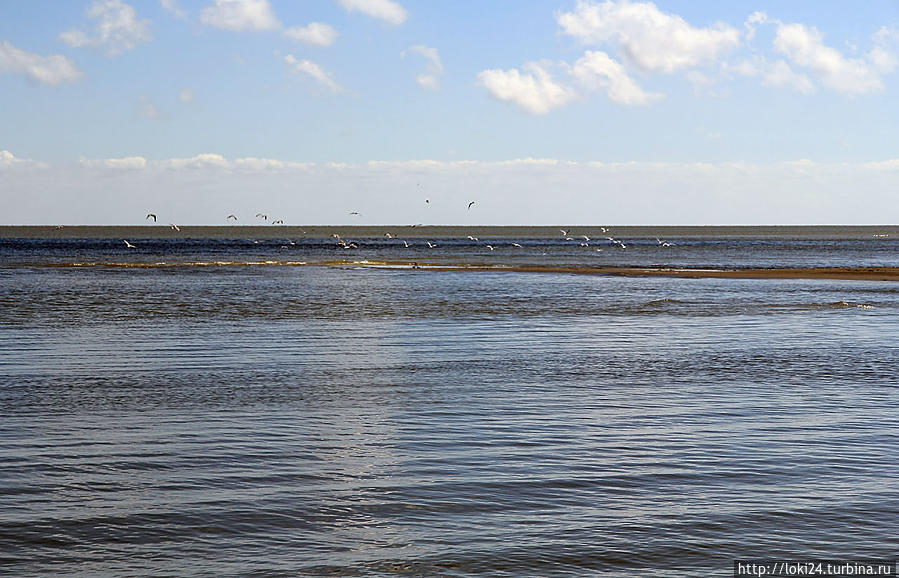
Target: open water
x: 262, y: 401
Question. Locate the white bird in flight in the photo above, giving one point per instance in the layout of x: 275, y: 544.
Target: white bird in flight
x: 262, y: 216
x: 129, y: 245
x: 174, y: 227
x: 151, y: 215
x: 231, y: 217
x: 470, y: 204
x: 431, y: 245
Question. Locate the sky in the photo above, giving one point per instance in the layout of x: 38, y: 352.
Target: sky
x: 405, y: 111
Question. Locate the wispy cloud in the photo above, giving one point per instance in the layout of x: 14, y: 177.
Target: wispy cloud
x: 597, y: 71
x: 649, y: 38
x: 116, y: 28
x: 386, y: 10
x: 316, y: 33
x: 52, y: 69
x: 240, y: 15
x: 309, y: 68
x: 430, y: 78
x: 174, y: 8
x: 534, y: 89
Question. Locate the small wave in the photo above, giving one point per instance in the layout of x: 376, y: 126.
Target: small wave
x: 847, y: 305
x: 664, y: 302
x: 835, y: 305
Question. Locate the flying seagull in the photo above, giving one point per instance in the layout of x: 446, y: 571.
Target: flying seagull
x: 174, y: 227
x: 278, y: 222
x: 262, y: 216
x: 151, y: 215
x: 231, y: 217
x: 470, y: 204
x: 472, y: 238
x: 564, y: 232
x: 129, y: 245
x: 354, y: 212
x: 431, y: 245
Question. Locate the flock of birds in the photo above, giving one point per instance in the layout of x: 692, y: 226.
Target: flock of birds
x: 582, y: 240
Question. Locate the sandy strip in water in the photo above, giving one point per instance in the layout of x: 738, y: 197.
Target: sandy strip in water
x: 847, y: 273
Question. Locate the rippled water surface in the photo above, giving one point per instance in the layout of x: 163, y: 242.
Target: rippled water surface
x: 278, y: 419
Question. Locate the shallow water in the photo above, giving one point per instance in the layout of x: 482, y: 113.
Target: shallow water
x: 349, y: 420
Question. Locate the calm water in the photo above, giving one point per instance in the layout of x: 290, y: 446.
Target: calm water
x: 161, y: 414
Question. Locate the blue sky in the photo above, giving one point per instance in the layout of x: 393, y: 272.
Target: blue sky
x: 544, y: 111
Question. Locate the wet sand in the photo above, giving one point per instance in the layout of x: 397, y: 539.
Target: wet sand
x: 837, y: 273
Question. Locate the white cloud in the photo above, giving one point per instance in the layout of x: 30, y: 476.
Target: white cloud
x: 174, y: 8
x: 387, y: 10
x: 240, y: 15
x: 116, y: 28
x: 777, y: 74
x: 203, y: 161
x: 430, y: 78
x: 186, y: 95
x: 261, y: 164
x: 125, y: 163
x: 597, y: 71
x: 7, y: 159
x: 315, y: 33
x: 651, y: 39
x: 312, y: 69
x: 53, y: 69
x: 200, y: 161
x: 883, y: 55
x: 804, y: 46
x: 533, y: 90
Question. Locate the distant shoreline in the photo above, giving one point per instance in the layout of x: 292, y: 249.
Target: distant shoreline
x: 421, y: 231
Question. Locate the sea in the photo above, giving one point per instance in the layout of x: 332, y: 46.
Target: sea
x: 439, y: 401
